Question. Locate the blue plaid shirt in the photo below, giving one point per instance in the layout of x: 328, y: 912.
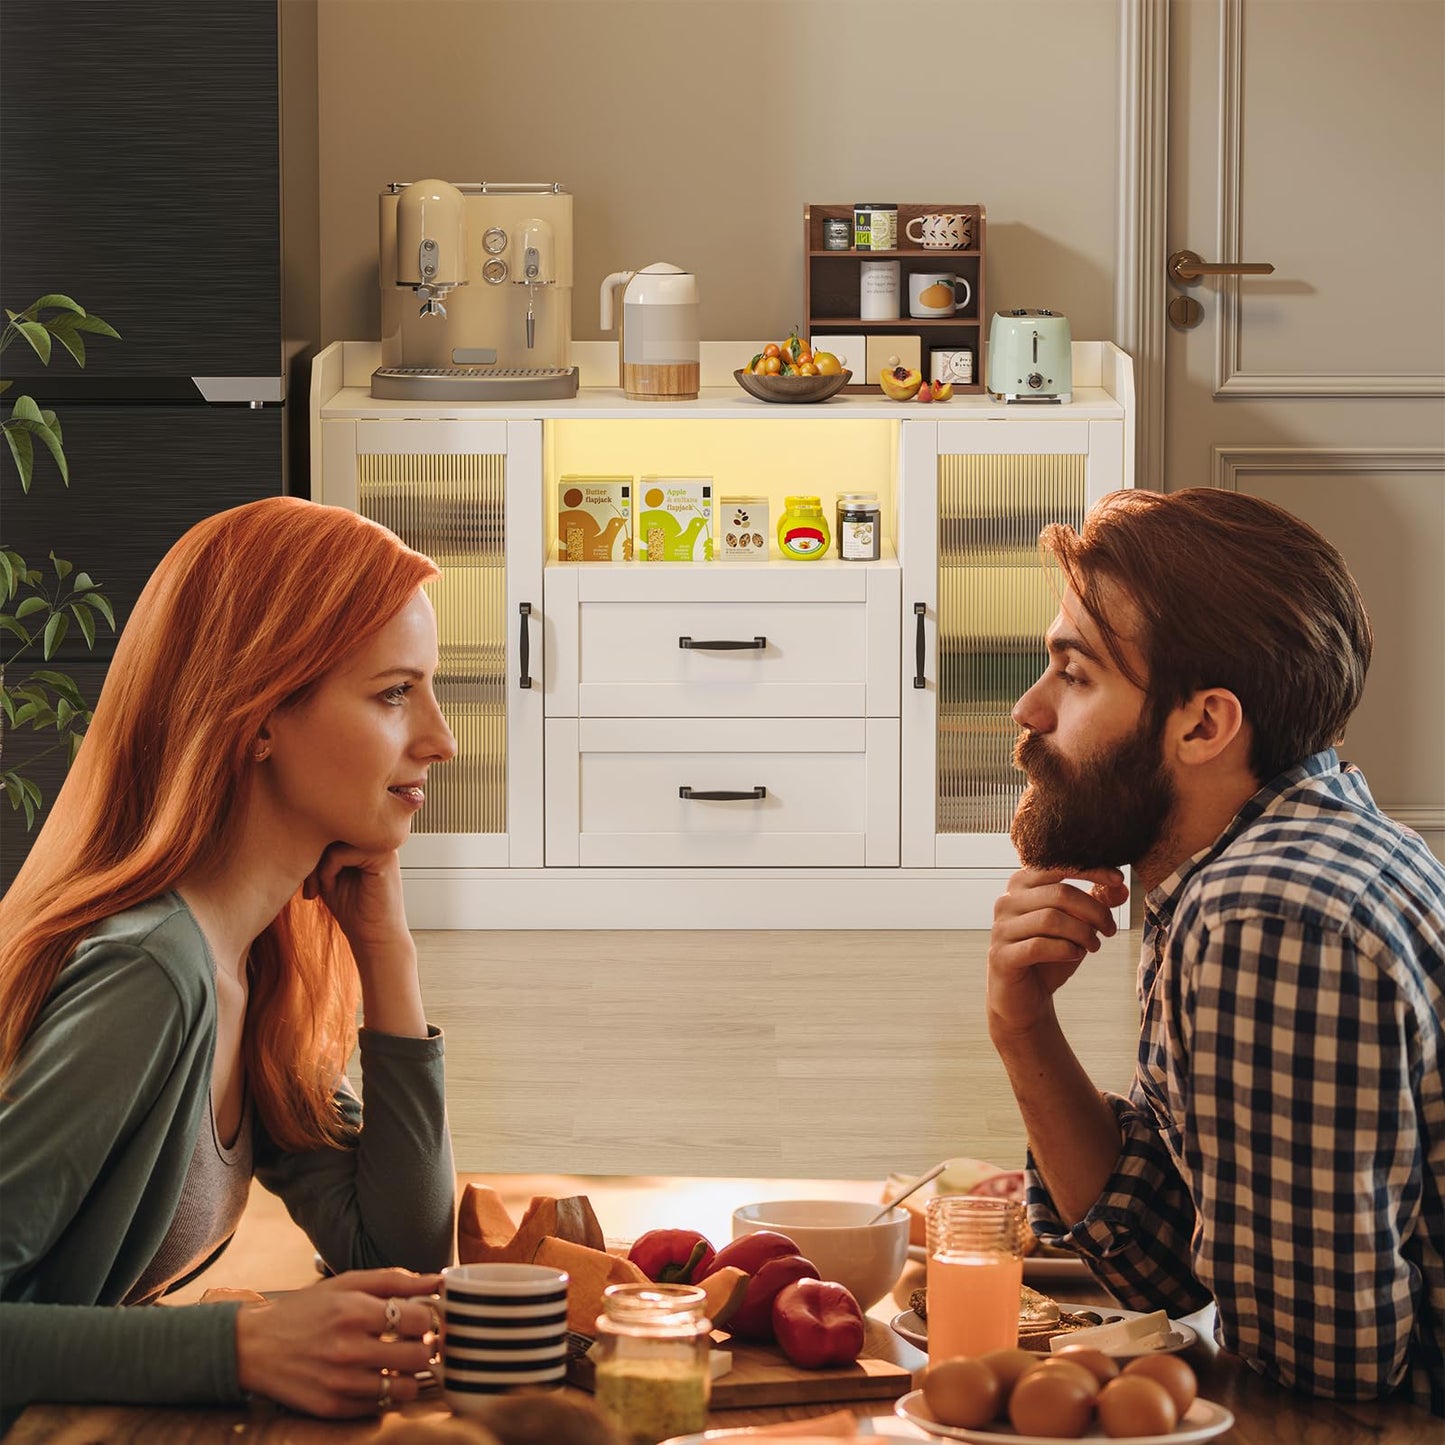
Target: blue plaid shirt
x: 1284, y: 1136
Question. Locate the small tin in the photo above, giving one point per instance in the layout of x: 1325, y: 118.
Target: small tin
x: 875, y: 226
x: 837, y: 234
x: 860, y: 535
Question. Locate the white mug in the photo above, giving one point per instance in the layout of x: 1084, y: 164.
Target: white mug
x: 937, y: 293
x: 878, y: 291
x: 939, y: 230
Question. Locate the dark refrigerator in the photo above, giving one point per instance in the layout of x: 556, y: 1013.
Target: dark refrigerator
x: 141, y: 174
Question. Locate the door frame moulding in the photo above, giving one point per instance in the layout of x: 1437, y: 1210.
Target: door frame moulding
x: 1230, y: 463
x: 1139, y: 282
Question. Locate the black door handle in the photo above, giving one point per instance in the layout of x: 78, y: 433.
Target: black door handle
x: 724, y: 796
x: 757, y: 644
x: 919, y: 609
x: 525, y: 608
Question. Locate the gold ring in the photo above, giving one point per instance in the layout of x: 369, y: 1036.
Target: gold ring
x: 383, y: 1399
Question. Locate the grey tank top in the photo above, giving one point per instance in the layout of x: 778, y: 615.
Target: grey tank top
x: 213, y: 1199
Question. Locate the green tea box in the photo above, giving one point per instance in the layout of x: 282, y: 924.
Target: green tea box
x: 674, y: 519
x: 594, y: 519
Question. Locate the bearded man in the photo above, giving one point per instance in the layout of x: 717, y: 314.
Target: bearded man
x: 1281, y: 1151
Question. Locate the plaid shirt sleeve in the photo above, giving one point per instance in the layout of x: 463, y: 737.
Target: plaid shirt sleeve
x: 1272, y: 1061
x: 1135, y: 1239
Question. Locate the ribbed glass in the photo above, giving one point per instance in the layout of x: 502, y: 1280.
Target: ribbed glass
x: 452, y: 508
x: 995, y: 601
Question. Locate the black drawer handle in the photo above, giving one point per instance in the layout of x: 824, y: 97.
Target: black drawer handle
x: 724, y: 796
x: 919, y: 608
x: 525, y: 608
x: 756, y: 645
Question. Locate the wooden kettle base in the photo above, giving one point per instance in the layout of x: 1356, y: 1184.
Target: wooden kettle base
x: 661, y: 383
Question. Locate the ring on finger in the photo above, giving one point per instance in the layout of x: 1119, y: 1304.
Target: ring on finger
x: 383, y: 1398
x: 393, y: 1316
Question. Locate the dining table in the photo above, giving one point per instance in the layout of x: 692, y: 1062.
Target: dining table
x: 269, y: 1253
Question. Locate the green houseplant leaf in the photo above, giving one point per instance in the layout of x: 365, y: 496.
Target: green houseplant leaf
x: 38, y: 606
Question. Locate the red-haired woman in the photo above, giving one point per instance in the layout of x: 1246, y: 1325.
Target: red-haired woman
x: 180, y: 963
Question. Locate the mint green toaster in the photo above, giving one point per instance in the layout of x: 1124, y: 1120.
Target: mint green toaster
x: 1030, y: 356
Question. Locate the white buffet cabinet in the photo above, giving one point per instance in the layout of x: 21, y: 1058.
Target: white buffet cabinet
x: 851, y: 752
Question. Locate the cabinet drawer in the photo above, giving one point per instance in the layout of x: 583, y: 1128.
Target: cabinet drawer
x: 828, y: 655
x: 615, y: 792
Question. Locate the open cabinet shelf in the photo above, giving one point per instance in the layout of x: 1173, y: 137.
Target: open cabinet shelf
x: 831, y: 281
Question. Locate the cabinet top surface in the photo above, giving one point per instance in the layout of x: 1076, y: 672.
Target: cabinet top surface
x: 730, y: 403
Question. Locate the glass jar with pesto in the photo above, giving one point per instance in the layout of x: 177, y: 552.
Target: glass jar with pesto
x: 653, y: 1376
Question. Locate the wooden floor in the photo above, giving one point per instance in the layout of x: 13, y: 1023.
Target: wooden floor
x: 833, y: 1054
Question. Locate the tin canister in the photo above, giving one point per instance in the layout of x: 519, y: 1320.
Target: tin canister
x: 875, y: 226
x: 837, y: 234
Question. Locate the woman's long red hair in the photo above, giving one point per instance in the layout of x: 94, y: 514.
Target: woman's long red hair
x: 245, y: 613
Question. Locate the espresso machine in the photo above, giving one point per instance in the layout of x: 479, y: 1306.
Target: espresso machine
x: 476, y: 292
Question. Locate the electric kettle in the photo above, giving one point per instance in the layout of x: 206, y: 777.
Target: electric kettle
x: 658, y: 346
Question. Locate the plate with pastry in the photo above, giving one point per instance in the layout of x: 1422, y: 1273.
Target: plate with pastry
x: 1047, y: 1325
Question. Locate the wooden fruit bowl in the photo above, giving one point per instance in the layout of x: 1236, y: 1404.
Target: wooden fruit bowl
x: 792, y: 388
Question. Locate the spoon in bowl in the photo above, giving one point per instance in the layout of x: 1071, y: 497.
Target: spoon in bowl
x: 908, y: 1189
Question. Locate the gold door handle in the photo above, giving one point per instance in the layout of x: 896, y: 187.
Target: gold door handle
x: 1186, y: 266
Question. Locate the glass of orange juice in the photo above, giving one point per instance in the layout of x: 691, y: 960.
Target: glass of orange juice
x: 975, y: 1268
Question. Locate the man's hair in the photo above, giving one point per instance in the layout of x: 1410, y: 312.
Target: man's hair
x: 1232, y: 592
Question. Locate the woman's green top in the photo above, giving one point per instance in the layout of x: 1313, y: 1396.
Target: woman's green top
x: 98, y: 1119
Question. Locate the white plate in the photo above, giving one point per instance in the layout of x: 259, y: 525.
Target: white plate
x: 1202, y: 1421
x: 1036, y: 1266
x: 915, y: 1330
x: 744, y: 1432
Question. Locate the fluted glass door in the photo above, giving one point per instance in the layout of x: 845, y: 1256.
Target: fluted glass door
x: 995, y: 602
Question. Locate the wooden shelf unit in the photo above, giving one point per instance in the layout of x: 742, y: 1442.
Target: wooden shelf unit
x: 831, y: 286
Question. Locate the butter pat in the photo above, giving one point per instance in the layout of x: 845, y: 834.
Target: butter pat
x: 1121, y: 1335
x: 719, y: 1362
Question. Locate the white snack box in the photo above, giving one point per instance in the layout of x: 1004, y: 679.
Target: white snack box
x: 742, y: 529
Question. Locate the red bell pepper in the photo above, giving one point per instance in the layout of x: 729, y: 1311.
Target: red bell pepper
x: 749, y: 1252
x: 672, y: 1256
x: 753, y: 1319
x: 818, y: 1323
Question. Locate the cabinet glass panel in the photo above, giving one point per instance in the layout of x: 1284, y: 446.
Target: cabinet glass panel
x: 995, y: 601
x: 452, y: 508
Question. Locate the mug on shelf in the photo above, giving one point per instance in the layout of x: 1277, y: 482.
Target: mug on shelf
x: 937, y: 293
x: 941, y: 230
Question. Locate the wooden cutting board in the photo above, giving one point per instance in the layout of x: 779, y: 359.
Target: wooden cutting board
x: 762, y: 1374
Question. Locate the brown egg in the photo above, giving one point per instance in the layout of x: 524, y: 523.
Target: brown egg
x: 1096, y: 1362
x: 1085, y: 1375
x: 1171, y: 1372
x: 962, y: 1392
x: 1009, y: 1365
x: 1053, y: 1401
x: 1136, y: 1405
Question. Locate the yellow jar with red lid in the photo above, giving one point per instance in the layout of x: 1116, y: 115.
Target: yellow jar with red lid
x: 803, y: 529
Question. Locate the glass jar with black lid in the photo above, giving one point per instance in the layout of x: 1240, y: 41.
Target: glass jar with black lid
x: 859, y: 530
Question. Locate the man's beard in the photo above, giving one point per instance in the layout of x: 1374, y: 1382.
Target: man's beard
x: 1107, y: 811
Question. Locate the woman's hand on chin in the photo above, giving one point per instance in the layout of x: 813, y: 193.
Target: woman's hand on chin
x: 363, y: 891
x: 323, y: 1349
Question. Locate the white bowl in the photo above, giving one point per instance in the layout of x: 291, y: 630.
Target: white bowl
x: 865, y: 1258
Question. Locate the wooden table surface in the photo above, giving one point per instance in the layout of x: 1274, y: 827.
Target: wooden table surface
x: 270, y: 1253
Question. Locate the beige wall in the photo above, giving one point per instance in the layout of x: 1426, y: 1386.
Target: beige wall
x: 695, y: 131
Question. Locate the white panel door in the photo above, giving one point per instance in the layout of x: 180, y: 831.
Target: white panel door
x: 1312, y: 137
